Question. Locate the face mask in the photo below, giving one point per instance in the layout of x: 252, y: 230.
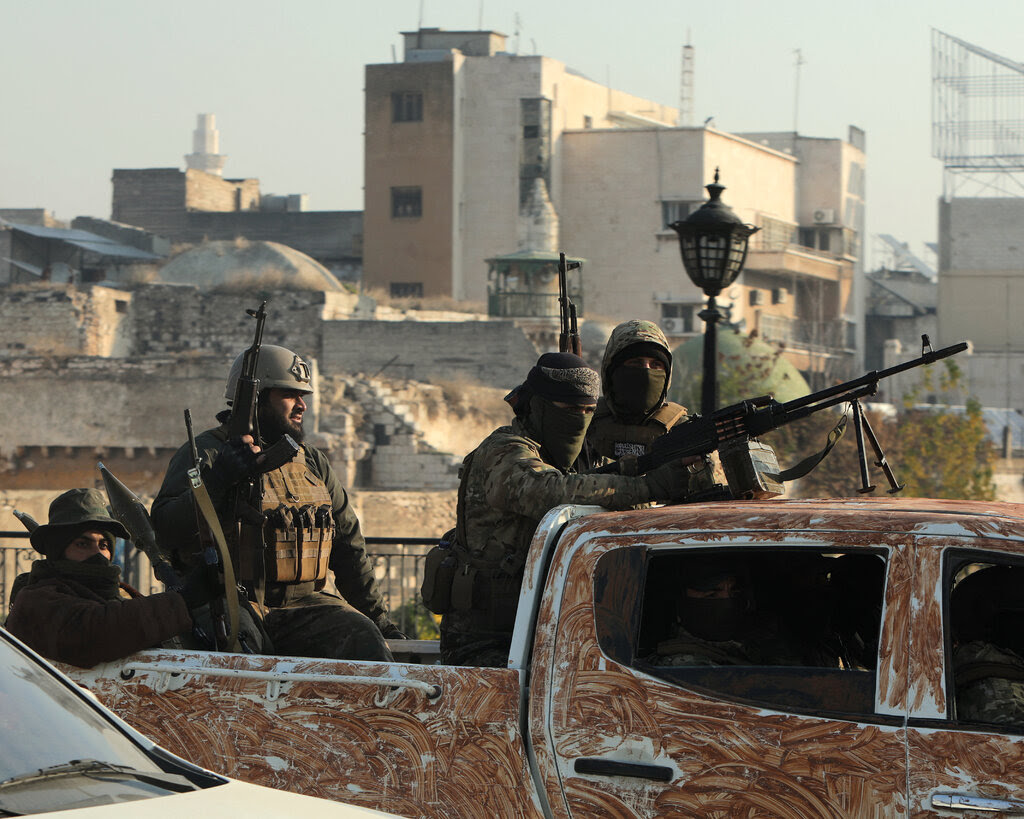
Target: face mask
x: 715, y: 618
x: 561, y: 431
x: 637, y: 390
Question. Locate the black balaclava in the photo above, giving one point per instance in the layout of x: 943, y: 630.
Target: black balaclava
x: 564, y: 378
x: 637, y: 391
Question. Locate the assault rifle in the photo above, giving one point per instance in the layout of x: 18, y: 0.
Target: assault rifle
x: 568, y: 336
x: 741, y: 423
x: 244, y: 417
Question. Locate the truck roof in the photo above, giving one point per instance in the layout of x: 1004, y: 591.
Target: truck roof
x: 921, y: 516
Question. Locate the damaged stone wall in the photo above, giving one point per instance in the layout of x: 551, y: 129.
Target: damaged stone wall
x: 63, y: 320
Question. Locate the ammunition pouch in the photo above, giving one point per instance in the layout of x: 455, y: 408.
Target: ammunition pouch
x: 455, y: 581
x: 296, y: 531
x: 439, y: 575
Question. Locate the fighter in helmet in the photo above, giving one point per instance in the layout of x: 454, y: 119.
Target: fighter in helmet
x: 306, y: 525
x: 508, y: 484
x: 633, y: 411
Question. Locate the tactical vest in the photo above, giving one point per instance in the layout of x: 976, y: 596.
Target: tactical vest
x: 297, y: 530
x: 615, y: 439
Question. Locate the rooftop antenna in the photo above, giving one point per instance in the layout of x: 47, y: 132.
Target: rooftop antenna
x: 515, y: 49
x: 480, y: 17
x: 686, y: 100
x: 796, y: 94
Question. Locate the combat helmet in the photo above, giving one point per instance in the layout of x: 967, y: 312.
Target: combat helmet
x: 276, y: 368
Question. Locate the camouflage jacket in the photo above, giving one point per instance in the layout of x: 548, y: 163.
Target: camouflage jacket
x: 989, y: 684
x: 507, y: 488
x: 174, y: 520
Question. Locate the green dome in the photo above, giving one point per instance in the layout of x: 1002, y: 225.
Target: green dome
x: 747, y: 367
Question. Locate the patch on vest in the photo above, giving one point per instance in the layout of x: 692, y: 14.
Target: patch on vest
x: 629, y: 448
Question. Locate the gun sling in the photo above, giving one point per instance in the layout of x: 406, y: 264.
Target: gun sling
x: 209, y: 514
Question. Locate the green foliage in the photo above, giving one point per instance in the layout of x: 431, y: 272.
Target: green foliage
x: 415, y: 621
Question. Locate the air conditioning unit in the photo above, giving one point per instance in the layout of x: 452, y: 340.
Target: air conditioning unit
x: 824, y: 216
x: 756, y: 298
x: 673, y: 326
x: 779, y: 295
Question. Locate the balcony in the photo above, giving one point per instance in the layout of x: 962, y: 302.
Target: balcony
x: 836, y: 337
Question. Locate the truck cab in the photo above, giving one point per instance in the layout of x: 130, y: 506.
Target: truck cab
x: 826, y: 683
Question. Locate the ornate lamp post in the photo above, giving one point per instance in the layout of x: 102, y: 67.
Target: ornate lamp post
x: 713, y: 244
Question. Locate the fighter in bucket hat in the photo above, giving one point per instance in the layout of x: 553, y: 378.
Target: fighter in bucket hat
x: 71, y: 607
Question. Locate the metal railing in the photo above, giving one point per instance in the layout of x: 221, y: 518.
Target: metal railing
x: 399, y: 571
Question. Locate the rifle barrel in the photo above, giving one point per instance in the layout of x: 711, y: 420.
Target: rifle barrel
x: 875, y: 376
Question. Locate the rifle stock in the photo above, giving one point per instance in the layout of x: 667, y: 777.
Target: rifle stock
x: 703, y: 434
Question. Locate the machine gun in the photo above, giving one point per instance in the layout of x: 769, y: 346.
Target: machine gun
x: 568, y: 335
x: 738, y: 426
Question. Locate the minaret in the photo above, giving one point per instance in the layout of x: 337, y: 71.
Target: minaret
x: 538, y: 221
x: 205, y: 144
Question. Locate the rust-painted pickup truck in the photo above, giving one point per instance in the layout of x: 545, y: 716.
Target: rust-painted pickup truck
x: 850, y: 710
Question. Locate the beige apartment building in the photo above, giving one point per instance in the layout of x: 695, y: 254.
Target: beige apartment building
x: 460, y: 133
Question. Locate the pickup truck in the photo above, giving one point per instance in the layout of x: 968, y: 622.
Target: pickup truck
x: 858, y: 716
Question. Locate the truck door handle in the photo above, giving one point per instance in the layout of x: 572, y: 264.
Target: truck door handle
x: 613, y: 767
x: 966, y: 801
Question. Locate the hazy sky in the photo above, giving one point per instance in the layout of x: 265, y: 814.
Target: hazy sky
x: 92, y: 86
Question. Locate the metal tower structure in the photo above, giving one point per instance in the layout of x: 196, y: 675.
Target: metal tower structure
x: 686, y: 89
x: 977, y: 119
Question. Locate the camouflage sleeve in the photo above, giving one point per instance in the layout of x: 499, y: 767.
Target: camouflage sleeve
x: 518, y: 480
x: 353, y: 571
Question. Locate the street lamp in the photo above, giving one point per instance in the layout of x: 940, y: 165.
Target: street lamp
x: 713, y: 244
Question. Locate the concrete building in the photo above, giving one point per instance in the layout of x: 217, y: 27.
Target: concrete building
x: 461, y: 133
x: 981, y: 292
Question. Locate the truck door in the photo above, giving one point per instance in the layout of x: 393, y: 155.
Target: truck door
x: 726, y: 678
x: 966, y: 725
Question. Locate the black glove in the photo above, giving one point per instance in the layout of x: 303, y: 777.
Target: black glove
x: 392, y: 632
x: 199, y: 587
x: 235, y: 462
x: 668, y: 482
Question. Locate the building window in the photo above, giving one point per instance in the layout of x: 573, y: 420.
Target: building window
x: 588, y: 122
x: 407, y: 106
x: 531, y: 132
x: 406, y: 202
x: 407, y: 290
x: 674, y: 210
x: 678, y: 319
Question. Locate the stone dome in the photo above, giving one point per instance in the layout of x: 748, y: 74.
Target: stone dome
x: 747, y: 366
x: 214, y: 264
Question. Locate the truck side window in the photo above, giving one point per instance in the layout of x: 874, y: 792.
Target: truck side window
x: 782, y: 627
x: 985, y: 639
